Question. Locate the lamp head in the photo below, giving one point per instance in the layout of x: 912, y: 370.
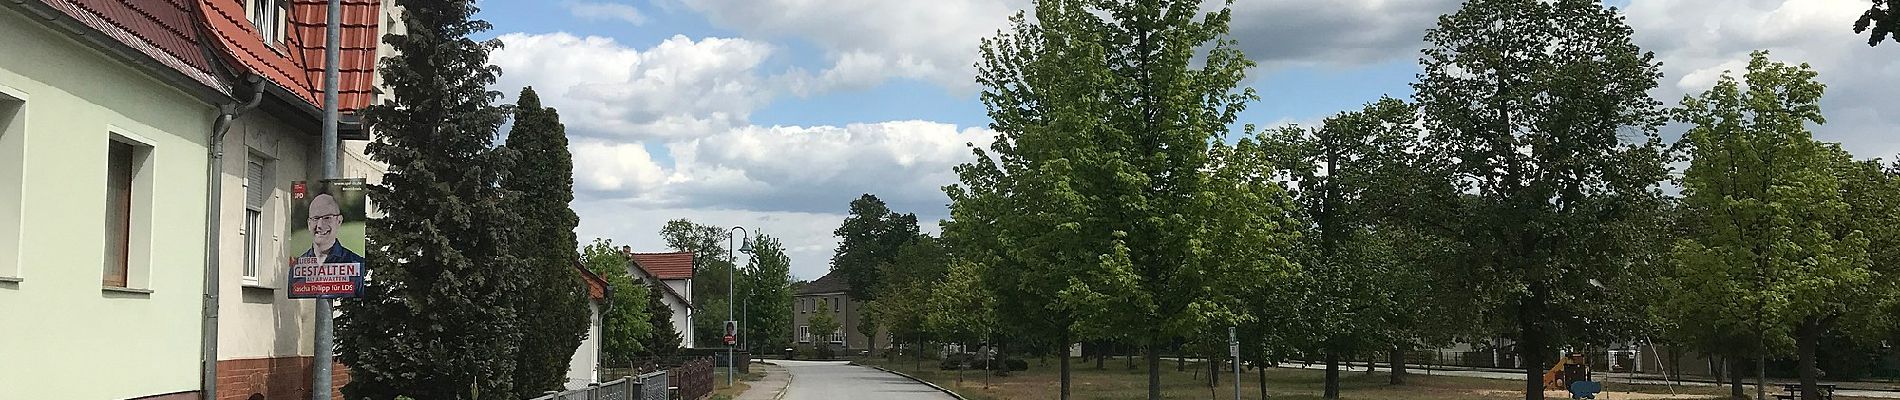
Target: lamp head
x: 745, y: 245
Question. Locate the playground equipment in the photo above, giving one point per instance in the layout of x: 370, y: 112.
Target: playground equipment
x: 1573, y: 369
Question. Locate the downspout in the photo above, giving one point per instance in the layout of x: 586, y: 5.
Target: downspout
x: 208, y: 349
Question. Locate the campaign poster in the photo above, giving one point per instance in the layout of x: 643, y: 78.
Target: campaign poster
x: 326, y: 243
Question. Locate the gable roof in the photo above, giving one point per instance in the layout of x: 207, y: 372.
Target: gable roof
x: 832, y: 282
x: 206, y: 42
x: 141, y: 32
x: 596, y: 287
x: 297, y: 65
x: 665, y: 266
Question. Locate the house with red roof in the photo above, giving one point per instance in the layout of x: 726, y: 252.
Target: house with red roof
x: 146, y: 153
x: 584, y: 368
x: 674, y: 273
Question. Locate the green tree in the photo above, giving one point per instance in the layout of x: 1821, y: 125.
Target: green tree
x: 1779, y: 243
x: 768, y: 294
x: 960, y: 308
x: 713, y: 274
x: 437, y: 320
x: 1096, y: 206
x: 625, y: 325
x: 823, y: 326
x: 552, y: 300
x: 1352, y: 177
x: 666, y: 339
x: 1543, y: 107
x: 1879, y: 22
x: 919, y: 266
x: 869, y: 239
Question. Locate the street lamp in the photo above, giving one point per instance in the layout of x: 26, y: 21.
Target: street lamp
x: 745, y: 245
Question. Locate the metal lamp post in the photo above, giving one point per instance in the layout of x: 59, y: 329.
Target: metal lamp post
x: 745, y: 245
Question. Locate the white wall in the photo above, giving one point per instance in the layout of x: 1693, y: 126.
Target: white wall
x: 682, y: 315
x: 62, y: 335
x: 584, y: 368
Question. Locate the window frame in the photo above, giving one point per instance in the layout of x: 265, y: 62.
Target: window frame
x: 136, y: 266
x: 276, y: 11
x: 13, y: 145
x: 257, y: 234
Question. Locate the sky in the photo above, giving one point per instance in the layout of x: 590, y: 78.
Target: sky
x: 775, y: 114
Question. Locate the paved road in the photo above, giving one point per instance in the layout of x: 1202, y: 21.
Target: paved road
x: 818, y: 380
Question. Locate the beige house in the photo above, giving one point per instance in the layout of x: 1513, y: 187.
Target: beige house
x: 833, y: 292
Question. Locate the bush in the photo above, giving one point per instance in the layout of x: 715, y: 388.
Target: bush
x: 958, y: 361
x: 1016, y: 364
x: 824, y: 352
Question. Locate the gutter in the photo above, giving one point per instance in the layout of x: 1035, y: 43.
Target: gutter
x: 214, y: 194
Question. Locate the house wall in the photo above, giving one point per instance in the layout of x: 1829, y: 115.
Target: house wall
x: 585, y: 367
x: 258, y: 324
x: 847, y: 312
x: 64, y: 334
x: 682, y: 314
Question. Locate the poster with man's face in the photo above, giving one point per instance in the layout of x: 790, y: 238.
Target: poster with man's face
x: 326, y: 244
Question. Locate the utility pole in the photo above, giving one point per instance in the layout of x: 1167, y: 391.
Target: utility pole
x: 746, y: 244
x: 325, y: 327
x: 1233, y: 352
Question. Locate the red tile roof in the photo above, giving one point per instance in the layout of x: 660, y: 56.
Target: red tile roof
x: 596, y: 287
x: 674, y: 265
x: 297, y: 64
x: 167, y: 31
x: 160, y: 29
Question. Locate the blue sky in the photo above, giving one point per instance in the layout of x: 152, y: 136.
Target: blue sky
x: 773, y: 114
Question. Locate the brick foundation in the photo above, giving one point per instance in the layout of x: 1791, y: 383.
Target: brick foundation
x: 274, y: 378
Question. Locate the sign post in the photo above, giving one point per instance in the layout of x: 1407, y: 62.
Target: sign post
x: 1233, y: 350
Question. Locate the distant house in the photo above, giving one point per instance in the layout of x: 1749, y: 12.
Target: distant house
x: 674, y: 273
x: 833, y: 291
x: 585, y: 367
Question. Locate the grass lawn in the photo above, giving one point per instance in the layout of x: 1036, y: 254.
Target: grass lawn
x: 722, y: 391
x: 1115, y: 382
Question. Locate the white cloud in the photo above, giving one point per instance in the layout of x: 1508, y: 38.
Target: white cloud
x: 870, y: 41
x: 1334, y: 32
x: 1697, y: 40
x: 678, y: 88
x: 596, y: 10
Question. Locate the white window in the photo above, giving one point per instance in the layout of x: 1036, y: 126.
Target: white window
x: 804, y: 333
x: 257, y: 188
x: 269, y: 18
x: 12, y: 182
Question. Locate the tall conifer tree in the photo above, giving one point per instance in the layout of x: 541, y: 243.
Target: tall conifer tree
x: 553, y: 307
x: 436, y: 321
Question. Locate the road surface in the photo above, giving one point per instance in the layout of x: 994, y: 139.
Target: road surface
x: 822, y: 380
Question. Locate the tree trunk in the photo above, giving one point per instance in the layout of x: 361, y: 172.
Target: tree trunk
x: 1063, y: 348
x: 1735, y: 390
x: 1262, y: 367
x: 1099, y: 355
x: 1810, y: 332
x: 1180, y: 361
x: 1398, y: 366
x: 1213, y: 370
x: 1130, y: 356
x: 1332, y: 375
x: 1530, y: 346
x: 1154, y: 370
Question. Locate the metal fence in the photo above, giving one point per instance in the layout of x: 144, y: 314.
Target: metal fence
x: 649, y: 386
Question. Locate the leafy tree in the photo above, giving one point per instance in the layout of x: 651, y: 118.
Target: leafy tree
x: 869, y: 239
x: 768, y: 293
x: 552, y: 300
x: 713, y: 274
x: 1351, y: 176
x: 919, y: 266
x: 666, y: 339
x: 625, y: 327
x: 438, y: 320
x: 960, y: 309
x: 1543, y: 107
x: 1777, y: 248
x: 1096, y: 206
x: 1879, y: 22
x: 823, y: 326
